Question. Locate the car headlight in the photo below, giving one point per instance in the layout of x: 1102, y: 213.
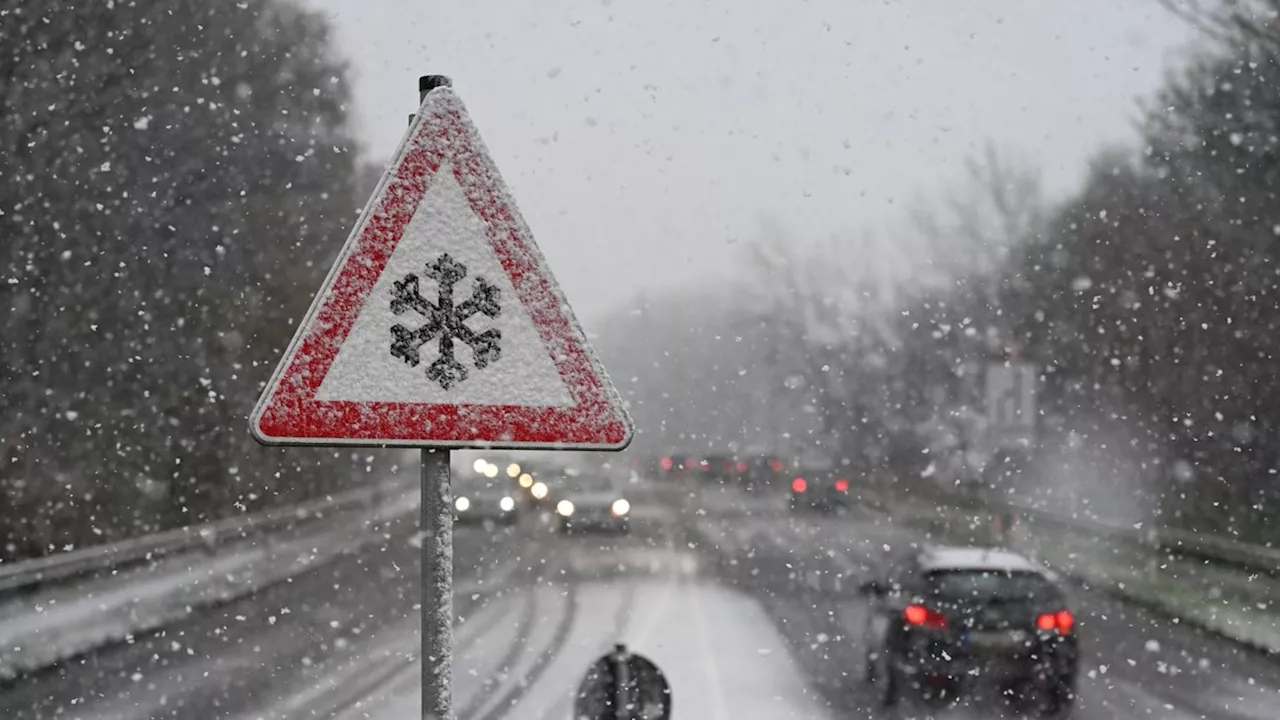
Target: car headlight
x: 462, y: 504
x: 621, y: 507
x: 507, y: 504
x: 565, y: 508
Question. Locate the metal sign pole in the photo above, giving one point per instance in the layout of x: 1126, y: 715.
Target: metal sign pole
x: 437, y: 554
x: 437, y: 586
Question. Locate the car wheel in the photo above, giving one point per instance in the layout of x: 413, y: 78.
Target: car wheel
x: 884, y: 681
x: 1058, y: 702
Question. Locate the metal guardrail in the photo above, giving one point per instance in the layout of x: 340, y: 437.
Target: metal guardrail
x: 111, y: 556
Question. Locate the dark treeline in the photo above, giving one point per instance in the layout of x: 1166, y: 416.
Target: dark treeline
x: 175, y: 177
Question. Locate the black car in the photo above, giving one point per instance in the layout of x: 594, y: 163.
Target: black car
x: 819, y: 490
x: 947, y: 622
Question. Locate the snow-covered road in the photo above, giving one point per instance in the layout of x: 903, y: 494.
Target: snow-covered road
x: 719, y: 650
x: 750, y: 614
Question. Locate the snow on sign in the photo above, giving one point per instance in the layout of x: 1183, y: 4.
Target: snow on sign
x: 440, y: 324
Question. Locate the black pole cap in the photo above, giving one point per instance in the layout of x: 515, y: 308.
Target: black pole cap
x: 427, y: 83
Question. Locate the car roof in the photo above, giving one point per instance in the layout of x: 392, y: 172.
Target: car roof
x: 976, y: 558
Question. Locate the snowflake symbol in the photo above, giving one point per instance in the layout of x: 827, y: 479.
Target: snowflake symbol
x: 445, y: 321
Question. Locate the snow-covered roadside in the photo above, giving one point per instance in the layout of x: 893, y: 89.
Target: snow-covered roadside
x: 65, y: 621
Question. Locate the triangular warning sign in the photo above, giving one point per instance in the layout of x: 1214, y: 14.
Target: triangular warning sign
x: 440, y: 324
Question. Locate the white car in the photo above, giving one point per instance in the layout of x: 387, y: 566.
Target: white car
x: 592, y: 502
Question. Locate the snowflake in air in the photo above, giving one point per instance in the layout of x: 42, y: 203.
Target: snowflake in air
x: 445, y: 322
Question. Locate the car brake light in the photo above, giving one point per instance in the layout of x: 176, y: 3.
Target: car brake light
x: 1066, y: 622
x: 799, y: 485
x: 776, y: 465
x: 1062, y: 621
x: 667, y: 464
x: 922, y: 616
x: 742, y: 467
x: 842, y: 485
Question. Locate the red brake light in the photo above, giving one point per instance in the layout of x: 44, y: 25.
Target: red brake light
x: 691, y: 463
x: 1066, y: 621
x: 667, y: 464
x: 1062, y: 621
x: 742, y: 467
x: 924, y: 617
x: 776, y: 465
x: 842, y: 485
x: 799, y: 485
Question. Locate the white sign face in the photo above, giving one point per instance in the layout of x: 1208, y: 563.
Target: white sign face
x: 1011, y: 400
x: 365, y: 371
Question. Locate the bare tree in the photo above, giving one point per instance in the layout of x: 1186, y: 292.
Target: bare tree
x: 997, y: 204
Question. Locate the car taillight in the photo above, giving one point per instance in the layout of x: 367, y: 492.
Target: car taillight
x: 667, y: 464
x: 776, y: 466
x: 742, y: 467
x: 922, y: 616
x: 842, y: 485
x: 799, y: 485
x: 1062, y: 621
x: 691, y: 463
x: 1066, y: 622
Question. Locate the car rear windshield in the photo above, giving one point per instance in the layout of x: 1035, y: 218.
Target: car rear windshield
x: 990, y: 585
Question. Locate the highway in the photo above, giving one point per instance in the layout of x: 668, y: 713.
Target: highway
x: 748, y: 608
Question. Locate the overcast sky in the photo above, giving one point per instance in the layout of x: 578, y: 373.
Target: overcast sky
x: 645, y: 140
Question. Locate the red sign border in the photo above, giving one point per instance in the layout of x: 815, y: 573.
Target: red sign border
x: 288, y: 414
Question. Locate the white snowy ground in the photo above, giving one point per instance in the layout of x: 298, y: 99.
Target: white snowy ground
x: 717, y: 647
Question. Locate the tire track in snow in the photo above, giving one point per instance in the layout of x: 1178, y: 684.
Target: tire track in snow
x: 500, y: 673
x: 517, y: 690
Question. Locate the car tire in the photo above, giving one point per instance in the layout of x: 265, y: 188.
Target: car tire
x: 1060, y: 703
x: 883, y: 680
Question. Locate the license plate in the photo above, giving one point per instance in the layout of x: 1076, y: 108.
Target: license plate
x: 996, y: 639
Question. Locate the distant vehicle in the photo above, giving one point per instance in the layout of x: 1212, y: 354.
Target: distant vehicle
x: 593, y: 501
x: 719, y: 468
x: 762, y: 473
x: 819, y: 489
x: 948, y: 620
x: 494, y: 502
x: 681, y: 463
